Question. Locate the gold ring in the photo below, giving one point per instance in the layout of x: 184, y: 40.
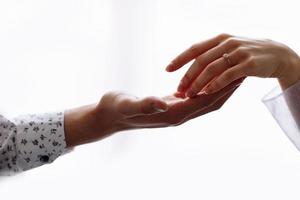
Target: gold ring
x: 227, y: 59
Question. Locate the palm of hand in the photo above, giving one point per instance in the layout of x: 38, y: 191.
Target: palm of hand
x: 181, y: 110
x: 130, y: 112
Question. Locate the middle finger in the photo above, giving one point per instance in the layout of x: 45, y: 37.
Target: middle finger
x: 206, y: 58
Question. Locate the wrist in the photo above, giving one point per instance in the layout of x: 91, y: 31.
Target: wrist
x: 291, y: 71
x: 87, y: 124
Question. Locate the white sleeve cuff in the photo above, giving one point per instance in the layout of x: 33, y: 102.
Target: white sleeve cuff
x: 40, y: 139
x: 285, y: 108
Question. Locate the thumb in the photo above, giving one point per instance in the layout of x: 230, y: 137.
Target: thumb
x: 132, y: 106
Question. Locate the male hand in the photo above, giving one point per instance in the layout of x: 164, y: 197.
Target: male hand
x: 118, y: 111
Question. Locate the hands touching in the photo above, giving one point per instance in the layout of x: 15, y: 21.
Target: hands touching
x: 181, y: 109
x: 225, y: 58
x: 220, y: 65
x: 117, y: 111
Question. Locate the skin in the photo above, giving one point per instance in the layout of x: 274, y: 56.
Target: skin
x: 210, y: 72
x: 117, y: 111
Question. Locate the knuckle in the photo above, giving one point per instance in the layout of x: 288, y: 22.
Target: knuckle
x: 106, y: 97
x: 110, y: 96
x: 251, y: 61
x: 243, y: 53
x: 209, y: 70
x: 232, y: 43
x: 228, y: 76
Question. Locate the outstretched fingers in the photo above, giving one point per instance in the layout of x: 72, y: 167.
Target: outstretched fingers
x: 204, y: 101
x: 200, y: 66
x: 226, y: 78
x: 194, y: 51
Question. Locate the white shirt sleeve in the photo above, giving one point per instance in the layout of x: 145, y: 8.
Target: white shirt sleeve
x: 285, y: 108
x: 30, y: 141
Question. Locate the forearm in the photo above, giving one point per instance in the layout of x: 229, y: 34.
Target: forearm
x: 87, y: 124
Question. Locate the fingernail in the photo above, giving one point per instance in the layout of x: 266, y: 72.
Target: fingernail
x: 190, y: 94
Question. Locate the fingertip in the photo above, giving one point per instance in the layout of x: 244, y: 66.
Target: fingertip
x: 191, y: 94
x: 210, y: 89
x: 173, y: 66
x: 181, y: 88
x: 169, y: 68
x: 180, y: 95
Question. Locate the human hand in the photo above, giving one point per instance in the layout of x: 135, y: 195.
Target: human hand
x: 182, y: 109
x: 225, y: 58
x: 118, y: 111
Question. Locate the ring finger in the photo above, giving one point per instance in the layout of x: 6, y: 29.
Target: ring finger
x: 213, y: 70
x: 199, y: 65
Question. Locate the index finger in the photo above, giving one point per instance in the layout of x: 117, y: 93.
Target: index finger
x: 194, y: 51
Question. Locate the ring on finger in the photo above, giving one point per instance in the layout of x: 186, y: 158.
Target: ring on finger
x: 227, y: 59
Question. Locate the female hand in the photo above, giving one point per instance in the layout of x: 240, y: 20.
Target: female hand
x: 225, y: 58
x: 117, y: 111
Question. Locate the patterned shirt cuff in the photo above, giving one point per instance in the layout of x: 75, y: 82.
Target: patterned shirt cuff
x: 40, y: 139
x: 285, y: 108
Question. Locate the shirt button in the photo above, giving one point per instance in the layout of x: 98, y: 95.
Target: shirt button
x: 44, y: 159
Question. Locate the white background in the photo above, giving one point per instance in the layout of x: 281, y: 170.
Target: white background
x: 58, y: 54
